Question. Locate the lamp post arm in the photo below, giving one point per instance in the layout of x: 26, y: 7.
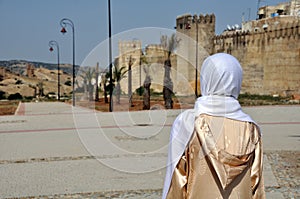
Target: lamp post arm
x: 65, y: 21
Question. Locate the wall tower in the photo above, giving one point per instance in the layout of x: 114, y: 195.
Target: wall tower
x: 196, y: 34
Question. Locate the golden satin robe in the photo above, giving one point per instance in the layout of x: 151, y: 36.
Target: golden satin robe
x: 222, y: 160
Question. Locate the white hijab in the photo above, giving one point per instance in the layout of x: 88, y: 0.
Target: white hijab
x: 220, y: 78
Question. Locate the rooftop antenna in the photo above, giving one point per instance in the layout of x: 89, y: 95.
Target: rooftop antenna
x: 243, y: 17
x: 249, y: 13
x: 258, y: 3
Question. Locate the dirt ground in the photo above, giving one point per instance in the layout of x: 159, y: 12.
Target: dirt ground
x: 156, y: 102
x: 8, y: 107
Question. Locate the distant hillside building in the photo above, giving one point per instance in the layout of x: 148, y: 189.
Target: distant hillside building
x: 291, y: 8
x: 30, y: 70
x: 2, y: 73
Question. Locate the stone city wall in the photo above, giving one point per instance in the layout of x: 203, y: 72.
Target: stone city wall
x: 268, y: 50
x: 269, y: 55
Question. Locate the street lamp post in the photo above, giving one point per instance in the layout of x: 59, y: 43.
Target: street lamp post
x: 196, y: 75
x: 110, y: 60
x: 51, y: 44
x: 97, y: 79
x: 130, y: 81
x: 63, y: 23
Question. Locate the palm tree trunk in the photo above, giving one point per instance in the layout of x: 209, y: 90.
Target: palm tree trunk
x: 105, y: 94
x: 90, y: 91
x: 130, y: 83
x: 146, y: 101
x: 118, y: 92
x: 97, y: 86
x: 168, y: 85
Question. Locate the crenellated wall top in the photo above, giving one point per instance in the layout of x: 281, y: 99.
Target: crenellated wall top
x: 273, y: 28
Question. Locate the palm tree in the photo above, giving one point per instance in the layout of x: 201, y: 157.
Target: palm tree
x: 130, y: 63
x: 40, y: 87
x: 87, y: 75
x: 169, y: 44
x: 147, y: 83
x: 104, y: 81
x: 118, y: 75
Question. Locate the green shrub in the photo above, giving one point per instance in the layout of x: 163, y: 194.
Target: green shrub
x: 2, y: 95
x: 153, y: 93
x: 15, y: 96
x: 68, y: 83
x: 19, y: 81
x: 139, y: 91
x: 28, y: 98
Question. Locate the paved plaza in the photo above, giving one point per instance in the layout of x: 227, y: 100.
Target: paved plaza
x: 54, y: 150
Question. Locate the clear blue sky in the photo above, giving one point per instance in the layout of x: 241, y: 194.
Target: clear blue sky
x: 26, y: 26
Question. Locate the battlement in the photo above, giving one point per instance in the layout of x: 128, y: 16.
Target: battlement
x: 279, y: 22
x: 130, y: 46
x: 205, y: 19
x: 185, y: 21
x: 261, y: 29
x: 154, y: 47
